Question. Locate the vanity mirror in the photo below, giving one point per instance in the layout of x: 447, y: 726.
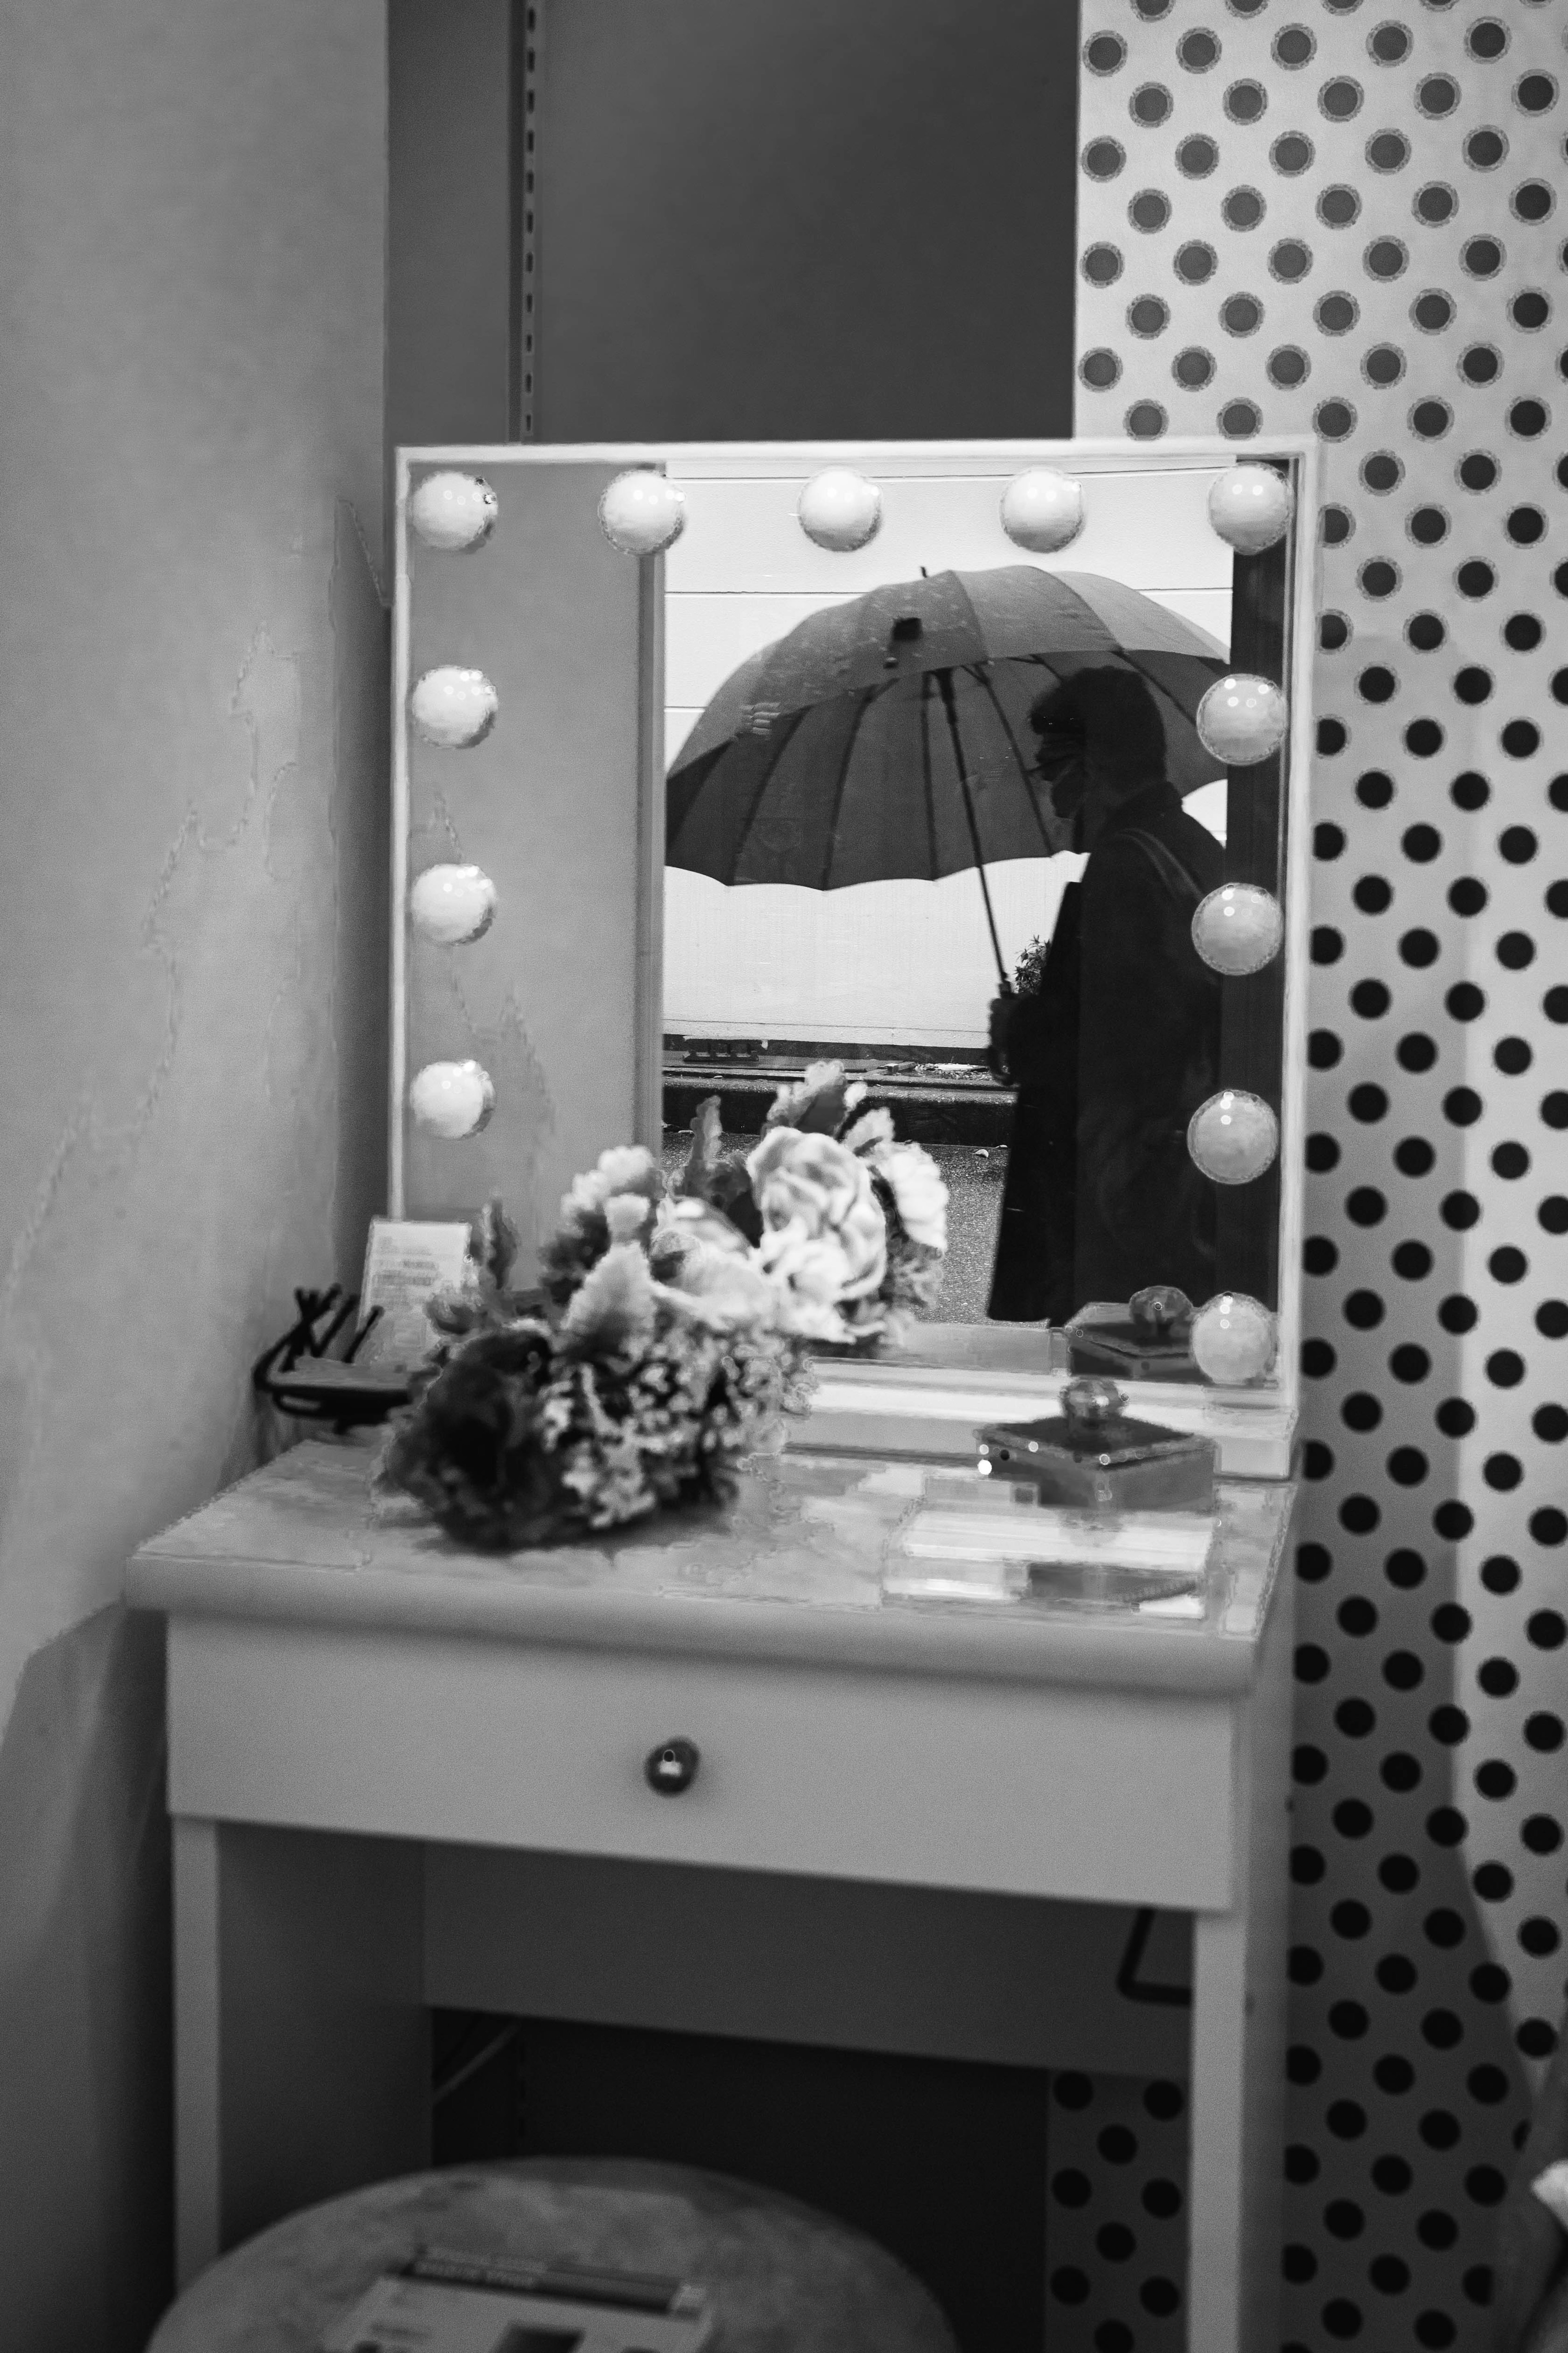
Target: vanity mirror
x: 980, y: 767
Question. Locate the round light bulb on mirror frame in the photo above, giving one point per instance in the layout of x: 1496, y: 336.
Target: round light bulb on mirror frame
x: 451, y: 1100
x: 1242, y: 720
x: 642, y: 512
x: 1233, y: 1137
x: 840, y: 510
x: 452, y: 906
x: 1042, y: 509
x: 453, y: 512
x: 1238, y: 929
x: 453, y: 708
x: 1234, y: 1339
x: 1251, y: 507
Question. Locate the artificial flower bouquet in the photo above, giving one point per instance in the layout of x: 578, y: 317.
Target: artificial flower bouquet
x: 675, y: 1323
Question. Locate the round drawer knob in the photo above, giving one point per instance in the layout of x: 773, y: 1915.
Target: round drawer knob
x: 672, y: 1766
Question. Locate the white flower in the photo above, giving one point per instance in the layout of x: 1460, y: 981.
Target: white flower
x: 627, y: 1214
x: 814, y: 1185
x: 919, y: 1193
x: 726, y: 1291
x: 613, y: 1308
x: 872, y: 1128
x: 625, y: 1168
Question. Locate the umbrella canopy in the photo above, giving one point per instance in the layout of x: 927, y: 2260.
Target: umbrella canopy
x: 888, y: 737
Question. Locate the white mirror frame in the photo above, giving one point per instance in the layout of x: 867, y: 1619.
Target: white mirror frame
x: 882, y: 1404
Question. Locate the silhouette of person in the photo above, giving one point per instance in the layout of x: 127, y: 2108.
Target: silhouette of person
x: 1119, y: 1044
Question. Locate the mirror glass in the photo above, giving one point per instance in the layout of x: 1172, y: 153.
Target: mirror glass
x: 976, y: 782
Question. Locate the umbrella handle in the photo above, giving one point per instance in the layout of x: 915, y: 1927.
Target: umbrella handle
x: 944, y: 687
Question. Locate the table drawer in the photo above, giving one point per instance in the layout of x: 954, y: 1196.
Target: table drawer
x: 1029, y: 1789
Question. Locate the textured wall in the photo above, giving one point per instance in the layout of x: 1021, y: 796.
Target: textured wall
x: 191, y: 970
x: 1344, y: 217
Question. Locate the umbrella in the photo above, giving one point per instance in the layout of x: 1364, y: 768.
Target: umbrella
x: 888, y: 737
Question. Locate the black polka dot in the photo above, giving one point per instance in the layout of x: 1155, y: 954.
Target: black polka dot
x: 1432, y: 312
x: 1437, y: 95
x: 1246, y: 102
x: 1149, y: 105
x: 1194, y: 262
x: 1434, y: 204
x: 1196, y: 51
x: 1196, y: 157
x: 1241, y: 314
x: 1242, y: 208
x: 1193, y: 367
x: 1102, y: 159
x: 1341, y: 97
x: 1291, y: 153
x: 1534, y: 94
x: 1389, y: 44
x: 1532, y: 200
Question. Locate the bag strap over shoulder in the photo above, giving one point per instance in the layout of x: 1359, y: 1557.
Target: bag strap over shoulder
x: 1163, y: 860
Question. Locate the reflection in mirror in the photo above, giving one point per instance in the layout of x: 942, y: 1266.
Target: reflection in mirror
x: 963, y: 826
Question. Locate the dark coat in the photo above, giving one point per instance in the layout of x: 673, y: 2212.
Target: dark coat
x: 1112, y: 1056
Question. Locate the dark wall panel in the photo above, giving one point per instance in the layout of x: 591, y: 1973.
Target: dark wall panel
x: 449, y: 227
x: 806, y: 217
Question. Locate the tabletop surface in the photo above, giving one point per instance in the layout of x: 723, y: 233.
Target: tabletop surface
x: 807, y: 1565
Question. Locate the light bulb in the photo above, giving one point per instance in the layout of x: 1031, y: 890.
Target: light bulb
x: 454, y: 708
x: 1042, y: 509
x: 1251, y: 507
x: 1241, y: 720
x: 451, y: 1100
x: 453, y: 511
x: 1235, y: 1338
x: 452, y: 905
x: 1238, y: 928
x: 641, y: 511
x: 840, y: 510
x: 1233, y: 1137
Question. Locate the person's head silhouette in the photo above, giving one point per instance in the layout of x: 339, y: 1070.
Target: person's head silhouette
x: 1102, y: 741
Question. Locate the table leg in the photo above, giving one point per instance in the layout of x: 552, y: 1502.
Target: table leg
x: 300, y: 2036
x: 1238, y: 2041
x: 196, y: 2194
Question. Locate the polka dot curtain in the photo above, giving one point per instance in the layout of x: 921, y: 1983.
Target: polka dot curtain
x: 1343, y: 218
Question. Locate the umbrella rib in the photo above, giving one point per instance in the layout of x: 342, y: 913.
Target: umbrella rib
x: 776, y: 751
x: 841, y: 781
x: 925, y: 766
x: 944, y: 687
x: 1018, y: 753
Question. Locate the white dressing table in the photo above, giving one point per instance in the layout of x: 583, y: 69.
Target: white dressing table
x: 402, y: 1775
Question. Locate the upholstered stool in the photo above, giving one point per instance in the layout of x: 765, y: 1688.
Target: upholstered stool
x: 783, y: 2279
